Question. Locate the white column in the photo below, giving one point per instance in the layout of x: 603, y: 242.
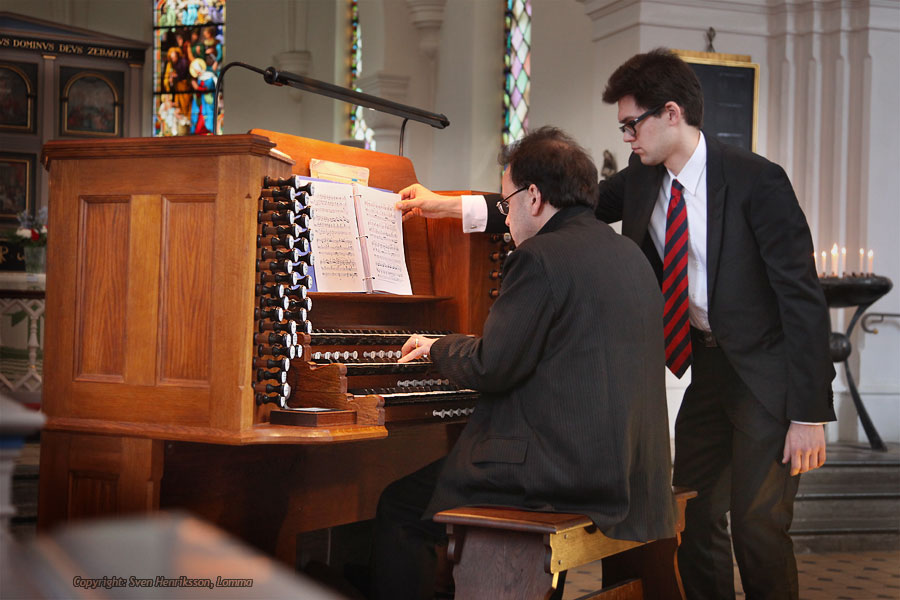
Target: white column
x: 386, y: 127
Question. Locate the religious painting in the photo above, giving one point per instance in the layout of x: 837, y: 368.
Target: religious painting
x: 189, y: 40
x: 18, y: 92
x: 91, y: 102
x: 730, y: 84
x: 16, y: 185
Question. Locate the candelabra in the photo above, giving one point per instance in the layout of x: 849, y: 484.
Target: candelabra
x: 860, y: 291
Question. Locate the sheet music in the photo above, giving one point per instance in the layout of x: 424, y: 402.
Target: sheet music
x: 338, y: 261
x: 383, y: 226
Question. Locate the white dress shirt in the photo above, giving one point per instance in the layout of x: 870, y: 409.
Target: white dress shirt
x: 693, y: 178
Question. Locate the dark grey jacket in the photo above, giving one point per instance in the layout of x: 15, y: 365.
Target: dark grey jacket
x: 573, y: 412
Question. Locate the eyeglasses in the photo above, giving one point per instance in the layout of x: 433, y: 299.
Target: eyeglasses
x: 503, y: 205
x: 631, y: 126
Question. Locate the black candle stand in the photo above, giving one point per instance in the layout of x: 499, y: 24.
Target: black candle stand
x: 860, y: 291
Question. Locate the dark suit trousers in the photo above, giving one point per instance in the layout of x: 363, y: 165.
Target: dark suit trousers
x: 404, y: 559
x: 729, y: 449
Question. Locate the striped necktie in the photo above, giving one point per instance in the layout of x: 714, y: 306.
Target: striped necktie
x: 676, y: 322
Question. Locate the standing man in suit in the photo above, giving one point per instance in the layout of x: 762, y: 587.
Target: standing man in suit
x: 572, y: 415
x: 743, y: 308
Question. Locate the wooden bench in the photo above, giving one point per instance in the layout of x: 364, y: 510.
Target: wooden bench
x: 501, y: 553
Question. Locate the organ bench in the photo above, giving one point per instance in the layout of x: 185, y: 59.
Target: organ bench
x: 506, y: 553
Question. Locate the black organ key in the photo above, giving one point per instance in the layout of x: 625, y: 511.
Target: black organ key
x: 291, y: 181
x: 293, y: 231
x: 282, y: 389
x: 304, y: 303
x: 271, y: 205
x: 288, y: 193
x: 301, y: 268
x: 296, y: 315
x: 282, y: 266
x: 297, y: 293
x: 276, y: 375
x: 277, y: 351
x: 305, y: 326
x: 302, y: 220
x: 308, y: 188
x: 282, y: 364
x: 274, y: 339
x: 281, y: 401
x: 302, y: 244
x: 274, y: 314
x: 285, y: 241
x: 277, y: 290
x: 280, y: 303
x: 290, y: 279
x: 291, y: 256
x: 286, y: 327
x: 305, y: 281
x: 278, y: 218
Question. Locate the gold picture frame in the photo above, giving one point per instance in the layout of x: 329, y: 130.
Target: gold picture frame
x: 91, y: 105
x: 16, y: 185
x: 728, y: 75
x: 18, y: 94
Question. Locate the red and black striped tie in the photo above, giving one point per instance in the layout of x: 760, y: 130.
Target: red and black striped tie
x: 676, y: 321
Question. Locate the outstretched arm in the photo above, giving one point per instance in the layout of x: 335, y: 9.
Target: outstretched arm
x: 419, y: 201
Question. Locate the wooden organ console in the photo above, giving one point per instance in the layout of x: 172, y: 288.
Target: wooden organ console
x: 165, y: 371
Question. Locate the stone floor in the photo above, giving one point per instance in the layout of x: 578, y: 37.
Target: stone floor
x: 831, y: 576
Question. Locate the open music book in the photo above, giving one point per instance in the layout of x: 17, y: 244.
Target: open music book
x: 357, y: 240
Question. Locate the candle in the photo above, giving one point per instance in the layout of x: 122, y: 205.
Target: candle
x: 834, y: 260
x: 862, y: 253
x: 843, y: 260
x: 824, y: 263
x: 871, y: 257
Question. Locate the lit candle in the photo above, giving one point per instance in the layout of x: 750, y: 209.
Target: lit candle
x: 862, y: 253
x: 834, y: 260
x: 843, y: 260
x: 824, y: 263
x: 871, y: 258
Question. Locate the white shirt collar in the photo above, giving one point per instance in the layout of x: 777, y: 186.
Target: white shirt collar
x: 693, y: 170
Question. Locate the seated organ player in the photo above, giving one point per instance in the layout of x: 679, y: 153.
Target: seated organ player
x: 572, y: 414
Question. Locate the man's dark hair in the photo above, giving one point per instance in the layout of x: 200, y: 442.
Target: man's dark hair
x: 560, y: 168
x: 655, y: 78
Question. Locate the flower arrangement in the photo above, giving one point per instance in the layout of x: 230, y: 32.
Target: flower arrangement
x: 32, y: 231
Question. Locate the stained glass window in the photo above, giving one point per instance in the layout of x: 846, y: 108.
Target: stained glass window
x: 358, y: 128
x: 517, y: 70
x: 189, y: 45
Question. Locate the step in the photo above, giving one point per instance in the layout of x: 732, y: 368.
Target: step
x: 853, y: 535
x: 854, y: 475
x: 836, y: 507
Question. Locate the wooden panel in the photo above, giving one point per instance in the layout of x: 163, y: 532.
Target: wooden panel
x: 186, y: 294
x: 240, y: 180
x: 386, y: 171
x: 62, y: 277
x: 266, y: 495
x: 91, y: 494
x: 88, y: 475
x: 102, y: 288
x: 143, y: 291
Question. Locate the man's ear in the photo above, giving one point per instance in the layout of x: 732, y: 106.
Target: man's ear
x: 674, y: 113
x: 537, y: 206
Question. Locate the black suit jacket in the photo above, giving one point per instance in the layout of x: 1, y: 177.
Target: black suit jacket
x: 766, y: 307
x: 573, y: 412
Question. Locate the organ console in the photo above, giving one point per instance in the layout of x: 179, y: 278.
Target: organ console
x: 176, y: 377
